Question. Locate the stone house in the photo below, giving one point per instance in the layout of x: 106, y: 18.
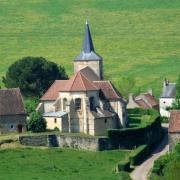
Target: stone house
x: 144, y: 100
x: 167, y: 97
x: 12, y: 111
x: 86, y: 102
x: 174, y: 129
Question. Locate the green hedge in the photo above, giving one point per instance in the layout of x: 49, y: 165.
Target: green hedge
x: 129, y: 138
x: 123, y: 166
x: 139, y: 155
x: 124, y: 176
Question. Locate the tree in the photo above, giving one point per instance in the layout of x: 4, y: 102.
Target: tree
x: 33, y: 75
x: 36, y: 122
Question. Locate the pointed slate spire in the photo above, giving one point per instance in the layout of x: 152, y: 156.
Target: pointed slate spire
x: 88, y: 43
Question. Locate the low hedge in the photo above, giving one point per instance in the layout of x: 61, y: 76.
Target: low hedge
x: 123, y: 166
x: 124, y: 176
x: 139, y: 154
x: 129, y: 138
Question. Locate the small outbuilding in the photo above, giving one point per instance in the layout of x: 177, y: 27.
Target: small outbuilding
x: 12, y: 111
x: 174, y: 129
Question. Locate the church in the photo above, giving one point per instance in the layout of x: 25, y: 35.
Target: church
x: 86, y: 103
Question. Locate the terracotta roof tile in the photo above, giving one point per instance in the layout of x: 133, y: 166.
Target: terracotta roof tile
x: 108, y: 90
x: 79, y: 82
x: 151, y: 99
x: 174, y: 124
x: 11, y: 102
x: 142, y: 104
x: 52, y: 93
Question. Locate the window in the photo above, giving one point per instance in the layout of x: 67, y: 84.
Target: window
x: 105, y: 121
x: 64, y: 104
x: 55, y: 120
x: 77, y: 104
x: 12, y: 126
x: 92, y: 104
x: 164, y: 102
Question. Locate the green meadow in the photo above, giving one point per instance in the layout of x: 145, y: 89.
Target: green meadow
x: 137, y: 38
x: 64, y: 164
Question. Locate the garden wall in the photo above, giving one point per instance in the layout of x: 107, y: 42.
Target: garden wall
x: 70, y: 141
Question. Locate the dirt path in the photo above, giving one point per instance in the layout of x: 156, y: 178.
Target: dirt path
x: 141, y: 171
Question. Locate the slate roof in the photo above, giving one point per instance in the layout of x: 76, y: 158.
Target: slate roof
x: 174, y: 123
x: 53, y: 92
x: 54, y: 114
x: 79, y: 82
x: 11, y: 102
x: 169, y: 90
x: 88, y: 52
x: 88, y: 72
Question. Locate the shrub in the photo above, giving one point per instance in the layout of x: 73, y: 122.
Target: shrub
x: 124, y: 176
x: 139, y: 154
x: 123, y: 166
x: 36, y: 122
x: 31, y: 104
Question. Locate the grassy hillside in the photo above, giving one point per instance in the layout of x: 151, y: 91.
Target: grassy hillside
x: 137, y: 38
x: 64, y: 164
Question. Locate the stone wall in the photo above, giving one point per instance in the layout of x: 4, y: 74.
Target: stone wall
x: 174, y: 138
x: 66, y: 141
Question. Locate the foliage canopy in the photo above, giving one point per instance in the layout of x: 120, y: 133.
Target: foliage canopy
x: 33, y: 75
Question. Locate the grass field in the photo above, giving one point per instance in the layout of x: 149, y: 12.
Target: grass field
x: 137, y: 38
x: 64, y: 164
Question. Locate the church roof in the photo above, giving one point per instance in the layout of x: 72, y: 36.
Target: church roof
x: 88, y: 72
x: 108, y: 90
x: 169, y: 90
x: 53, y: 92
x: 11, y: 102
x: 88, y: 52
x: 79, y: 82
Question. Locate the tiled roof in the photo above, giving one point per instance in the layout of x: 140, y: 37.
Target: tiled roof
x: 108, y: 90
x: 141, y: 103
x: 11, y: 102
x: 88, y: 72
x: 79, y: 82
x: 151, y: 99
x: 174, y: 124
x: 52, y: 93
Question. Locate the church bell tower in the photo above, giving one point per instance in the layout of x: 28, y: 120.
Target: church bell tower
x: 88, y: 56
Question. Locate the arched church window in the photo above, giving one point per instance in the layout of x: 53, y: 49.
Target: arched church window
x: 64, y: 104
x: 92, y: 103
x: 77, y: 103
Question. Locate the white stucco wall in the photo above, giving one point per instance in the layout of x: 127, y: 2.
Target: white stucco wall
x: 164, y: 103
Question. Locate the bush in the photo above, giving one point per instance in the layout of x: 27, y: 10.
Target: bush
x: 36, y: 122
x: 139, y: 155
x: 123, y: 166
x: 124, y: 176
x: 33, y: 75
x: 31, y: 104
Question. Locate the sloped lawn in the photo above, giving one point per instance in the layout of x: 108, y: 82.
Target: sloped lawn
x: 61, y: 164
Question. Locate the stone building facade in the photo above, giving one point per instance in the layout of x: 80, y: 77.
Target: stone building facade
x: 12, y: 111
x: 92, y: 104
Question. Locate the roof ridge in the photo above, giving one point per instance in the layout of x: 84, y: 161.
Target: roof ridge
x: 89, y: 81
x: 73, y: 81
x: 82, y: 79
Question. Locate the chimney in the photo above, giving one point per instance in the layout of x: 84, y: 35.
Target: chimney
x: 166, y: 82
x: 131, y: 97
x: 150, y: 91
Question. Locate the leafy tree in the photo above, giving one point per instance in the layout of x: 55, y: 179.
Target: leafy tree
x: 31, y: 104
x: 33, y: 75
x: 36, y: 122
